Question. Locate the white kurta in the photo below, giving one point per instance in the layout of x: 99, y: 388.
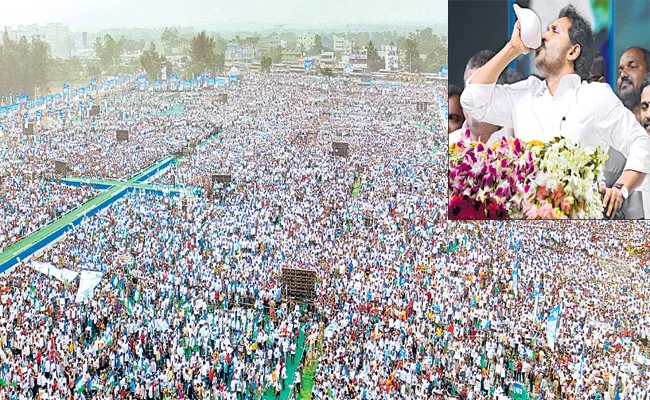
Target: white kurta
x: 582, y: 112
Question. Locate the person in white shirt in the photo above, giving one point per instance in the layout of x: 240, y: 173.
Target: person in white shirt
x: 633, y: 207
x: 482, y: 131
x: 562, y: 105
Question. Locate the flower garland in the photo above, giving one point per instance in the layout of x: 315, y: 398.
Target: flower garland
x: 517, y: 180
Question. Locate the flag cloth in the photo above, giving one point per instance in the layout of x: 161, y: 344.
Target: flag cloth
x: 582, y: 366
x: 80, y: 384
x: 552, y: 324
x: 536, y: 293
x: 515, y: 278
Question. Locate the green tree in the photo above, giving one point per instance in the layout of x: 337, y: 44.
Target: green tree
x: 436, y: 59
x: 220, y: 61
x: 41, y: 64
x: 7, y: 66
x: 220, y: 44
x: 317, y: 48
x: 251, y: 40
x: 6, y: 40
x: 152, y: 61
x: 66, y: 70
x: 108, y: 52
x: 202, y: 53
x: 131, y: 46
x: 373, y: 56
x: 276, y: 54
x: 327, y: 71
x: 266, y: 63
x: 170, y: 38
x: 24, y: 78
x: 94, y: 68
x: 412, y: 53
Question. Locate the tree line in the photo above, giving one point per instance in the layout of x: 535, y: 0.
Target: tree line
x: 24, y: 67
x: 28, y: 67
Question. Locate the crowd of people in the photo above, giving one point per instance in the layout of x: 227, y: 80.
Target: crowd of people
x: 190, y: 302
x: 30, y: 196
x: 30, y: 193
x: 408, y: 305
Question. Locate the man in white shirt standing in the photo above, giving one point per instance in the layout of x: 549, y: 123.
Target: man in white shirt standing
x: 633, y: 206
x: 562, y: 105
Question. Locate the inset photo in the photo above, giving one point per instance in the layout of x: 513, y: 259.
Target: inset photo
x: 548, y: 109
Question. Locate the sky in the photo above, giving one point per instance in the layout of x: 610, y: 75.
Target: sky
x: 93, y: 15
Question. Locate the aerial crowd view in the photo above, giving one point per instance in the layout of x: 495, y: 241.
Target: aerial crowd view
x: 151, y: 266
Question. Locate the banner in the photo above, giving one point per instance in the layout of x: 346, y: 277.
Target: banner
x: 64, y: 275
x: 88, y: 281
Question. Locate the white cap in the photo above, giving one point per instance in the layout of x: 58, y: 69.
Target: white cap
x: 531, y: 27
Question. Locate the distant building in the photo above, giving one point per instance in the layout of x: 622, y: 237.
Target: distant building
x: 358, y: 61
x: 343, y: 45
x: 307, y: 41
x: 84, y: 53
x: 291, y: 55
x: 390, y: 55
x: 268, y: 42
x: 328, y: 43
x: 234, y: 52
x: 84, y: 40
x: 327, y: 58
x: 56, y: 35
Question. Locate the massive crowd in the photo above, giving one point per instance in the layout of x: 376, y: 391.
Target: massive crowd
x: 408, y: 306
x: 30, y: 196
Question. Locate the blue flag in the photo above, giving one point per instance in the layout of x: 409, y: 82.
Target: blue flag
x: 582, y: 366
x: 536, y: 293
x: 515, y: 278
x: 552, y: 325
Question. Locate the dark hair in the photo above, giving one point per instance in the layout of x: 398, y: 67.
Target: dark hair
x: 480, y: 59
x: 645, y: 82
x: 646, y: 56
x: 513, y: 76
x: 598, y: 65
x: 581, y: 34
x: 454, y: 91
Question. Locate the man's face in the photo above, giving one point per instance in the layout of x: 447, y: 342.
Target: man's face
x: 551, y: 56
x: 456, y: 117
x: 631, y: 71
x: 645, y: 108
